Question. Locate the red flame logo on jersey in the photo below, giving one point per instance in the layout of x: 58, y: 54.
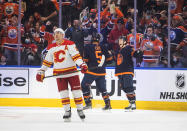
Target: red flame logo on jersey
x: 58, y: 56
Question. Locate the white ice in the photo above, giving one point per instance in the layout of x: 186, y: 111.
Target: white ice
x: 50, y: 119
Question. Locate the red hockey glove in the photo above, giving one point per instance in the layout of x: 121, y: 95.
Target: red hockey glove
x: 84, y: 68
x: 40, y: 75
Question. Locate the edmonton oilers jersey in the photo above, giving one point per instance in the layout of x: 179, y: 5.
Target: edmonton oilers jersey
x: 124, y: 62
x: 177, y: 34
x: 93, y: 56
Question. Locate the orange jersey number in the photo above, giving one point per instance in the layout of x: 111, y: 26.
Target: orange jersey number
x: 98, y: 56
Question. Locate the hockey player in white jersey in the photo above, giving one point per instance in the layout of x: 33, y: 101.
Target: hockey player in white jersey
x: 64, y: 57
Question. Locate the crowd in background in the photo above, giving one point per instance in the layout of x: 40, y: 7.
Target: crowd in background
x: 80, y: 20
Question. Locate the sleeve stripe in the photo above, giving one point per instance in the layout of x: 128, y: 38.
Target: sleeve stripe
x: 123, y: 73
x: 78, y: 56
x: 46, y: 63
x: 86, y: 60
x: 110, y: 58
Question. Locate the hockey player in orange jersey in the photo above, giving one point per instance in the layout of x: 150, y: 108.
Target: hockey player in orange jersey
x: 64, y: 56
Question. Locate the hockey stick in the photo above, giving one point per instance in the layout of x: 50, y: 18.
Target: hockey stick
x: 61, y: 74
x: 102, y: 61
x: 69, y: 72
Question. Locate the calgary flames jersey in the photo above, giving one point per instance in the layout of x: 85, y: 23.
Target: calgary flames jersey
x: 151, y: 54
x: 64, y: 58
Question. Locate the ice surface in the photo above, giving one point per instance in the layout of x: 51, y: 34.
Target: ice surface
x: 50, y: 119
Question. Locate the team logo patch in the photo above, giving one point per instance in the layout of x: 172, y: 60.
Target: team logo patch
x: 131, y: 40
x: 173, y: 5
x: 9, y: 10
x: 12, y: 33
x: 180, y: 81
x: 172, y: 35
x: 149, y: 46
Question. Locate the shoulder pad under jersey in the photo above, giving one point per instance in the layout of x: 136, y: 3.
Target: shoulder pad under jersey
x: 51, y: 46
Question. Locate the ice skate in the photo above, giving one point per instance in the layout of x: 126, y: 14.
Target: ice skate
x: 87, y: 106
x: 131, y: 107
x: 88, y: 103
x: 67, y: 116
x: 107, y: 105
x: 81, y: 114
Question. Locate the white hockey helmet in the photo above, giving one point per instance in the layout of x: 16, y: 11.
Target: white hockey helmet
x: 59, y: 30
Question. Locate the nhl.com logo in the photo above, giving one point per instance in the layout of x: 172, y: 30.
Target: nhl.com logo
x: 180, y: 81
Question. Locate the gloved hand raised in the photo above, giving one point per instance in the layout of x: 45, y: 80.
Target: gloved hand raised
x: 84, y: 68
x: 40, y: 75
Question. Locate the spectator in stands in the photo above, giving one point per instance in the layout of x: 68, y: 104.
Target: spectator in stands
x: 155, y: 15
x: 10, y: 39
x: 11, y: 8
x: 146, y: 19
x: 29, y: 52
x: 1, y: 9
x: 38, y: 39
x: 47, y: 11
x: 29, y: 25
x: 89, y: 3
x: 113, y: 12
x: 118, y: 31
x: 176, y: 6
x: 177, y: 35
x: 47, y: 35
x: 130, y: 19
x: 30, y: 8
x: 76, y: 34
x: 180, y: 58
x: 106, y: 27
x: 70, y: 11
x: 3, y: 61
x: 130, y: 39
x: 183, y: 60
x: 151, y: 47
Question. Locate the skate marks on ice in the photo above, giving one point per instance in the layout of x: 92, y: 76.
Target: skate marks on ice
x: 51, y: 119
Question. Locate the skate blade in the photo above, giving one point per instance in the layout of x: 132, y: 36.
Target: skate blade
x: 106, y: 109
x: 82, y: 120
x: 67, y: 120
x: 130, y: 110
x: 85, y: 108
